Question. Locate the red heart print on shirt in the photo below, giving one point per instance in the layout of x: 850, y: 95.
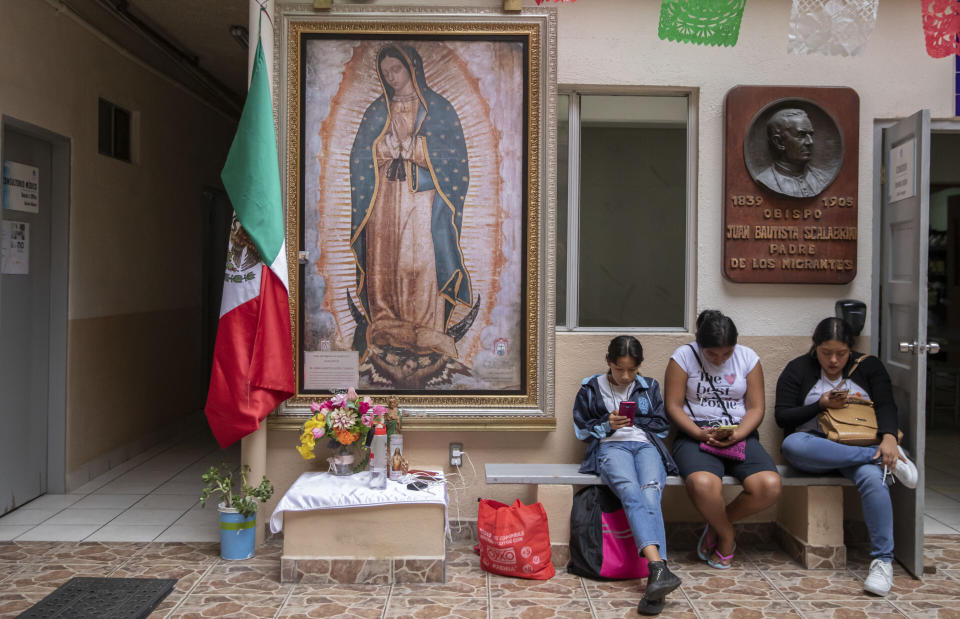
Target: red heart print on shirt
x: 730, y: 378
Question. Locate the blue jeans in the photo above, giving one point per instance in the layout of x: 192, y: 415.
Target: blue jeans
x: 634, y: 471
x: 816, y: 454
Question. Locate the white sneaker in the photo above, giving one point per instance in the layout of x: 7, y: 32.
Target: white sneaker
x: 906, y: 471
x: 880, y: 578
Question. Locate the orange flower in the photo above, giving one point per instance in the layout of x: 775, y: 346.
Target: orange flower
x: 344, y: 437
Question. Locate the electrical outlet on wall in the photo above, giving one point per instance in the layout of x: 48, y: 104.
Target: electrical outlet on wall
x: 456, y: 454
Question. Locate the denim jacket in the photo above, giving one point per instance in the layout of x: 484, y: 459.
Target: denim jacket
x: 591, y: 419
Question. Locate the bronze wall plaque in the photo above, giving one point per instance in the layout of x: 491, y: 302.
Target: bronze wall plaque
x: 790, y: 185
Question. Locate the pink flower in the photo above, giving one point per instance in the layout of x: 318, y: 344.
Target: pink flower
x: 314, y: 407
x: 352, y: 394
x: 363, y: 407
x: 326, y: 405
x: 367, y: 420
x: 337, y: 401
x: 318, y: 432
x: 379, y: 410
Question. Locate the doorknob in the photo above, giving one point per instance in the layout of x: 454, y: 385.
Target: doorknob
x: 913, y: 347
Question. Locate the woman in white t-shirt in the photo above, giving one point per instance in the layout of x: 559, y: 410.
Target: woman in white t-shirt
x: 713, y: 392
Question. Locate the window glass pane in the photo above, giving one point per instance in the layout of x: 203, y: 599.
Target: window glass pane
x: 632, y: 211
x: 563, y: 147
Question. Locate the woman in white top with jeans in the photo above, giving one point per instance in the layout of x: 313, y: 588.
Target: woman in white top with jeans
x: 716, y: 382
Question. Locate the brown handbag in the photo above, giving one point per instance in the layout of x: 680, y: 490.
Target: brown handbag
x: 854, y: 424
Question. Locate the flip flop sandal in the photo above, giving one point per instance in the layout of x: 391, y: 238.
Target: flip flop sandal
x: 706, y: 545
x: 717, y: 564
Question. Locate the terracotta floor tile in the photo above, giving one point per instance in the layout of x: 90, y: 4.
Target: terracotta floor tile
x: 759, y: 609
x: 615, y: 589
x: 803, y: 584
x: 241, y: 579
x: 562, y: 585
x: 181, y: 552
x: 45, y: 578
x: 540, y: 608
x: 187, y: 575
x: 305, y: 587
x: 928, y: 609
x: 866, y: 608
x: 430, y: 607
x: 732, y: 585
x: 9, y: 569
x: 225, y: 605
x: 93, y: 552
x: 24, y: 551
x: 12, y: 603
x: 323, y: 606
x: 677, y: 606
x: 461, y: 582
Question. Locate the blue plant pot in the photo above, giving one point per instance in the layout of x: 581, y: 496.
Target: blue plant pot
x: 237, y: 534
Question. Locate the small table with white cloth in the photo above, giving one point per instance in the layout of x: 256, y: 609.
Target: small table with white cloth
x: 339, y: 530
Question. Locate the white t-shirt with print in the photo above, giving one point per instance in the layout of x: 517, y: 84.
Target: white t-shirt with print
x: 729, y: 381
x: 611, y: 400
x: 824, y: 385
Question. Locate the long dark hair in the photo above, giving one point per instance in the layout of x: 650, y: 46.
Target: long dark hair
x: 714, y: 330
x: 833, y: 328
x: 625, y: 346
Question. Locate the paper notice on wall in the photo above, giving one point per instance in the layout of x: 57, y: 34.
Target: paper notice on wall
x: 901, y: 173
x: 329, y: 370
x: 15, y: 248
x: 21, y: 187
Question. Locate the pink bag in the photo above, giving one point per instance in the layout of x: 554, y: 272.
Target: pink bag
x: 737, y: 451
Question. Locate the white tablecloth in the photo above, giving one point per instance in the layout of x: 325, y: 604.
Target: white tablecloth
x: 326, y: 491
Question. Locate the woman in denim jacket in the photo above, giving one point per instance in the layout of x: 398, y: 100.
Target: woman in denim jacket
x: 630, y: 459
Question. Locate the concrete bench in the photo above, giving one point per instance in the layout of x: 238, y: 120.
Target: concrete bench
x: 809, y: 523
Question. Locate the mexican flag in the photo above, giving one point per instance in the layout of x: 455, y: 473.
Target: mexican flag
x: 253, y: 359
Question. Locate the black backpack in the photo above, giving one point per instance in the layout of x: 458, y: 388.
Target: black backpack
x: 601, y: 543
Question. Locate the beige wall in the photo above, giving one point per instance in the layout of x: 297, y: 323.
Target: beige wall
x: 607, y: 43
x: 134, y: 276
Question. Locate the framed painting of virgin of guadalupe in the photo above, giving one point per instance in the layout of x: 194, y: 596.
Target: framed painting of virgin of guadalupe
x: 415, y: 155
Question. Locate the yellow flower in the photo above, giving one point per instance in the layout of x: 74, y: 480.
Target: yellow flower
x: 314, y: 423
x: 306, y: 452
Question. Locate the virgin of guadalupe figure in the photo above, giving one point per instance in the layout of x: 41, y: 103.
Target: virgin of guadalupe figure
x: 409, y: 176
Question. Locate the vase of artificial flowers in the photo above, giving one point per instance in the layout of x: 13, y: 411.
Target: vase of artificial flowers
x: 344, y: 420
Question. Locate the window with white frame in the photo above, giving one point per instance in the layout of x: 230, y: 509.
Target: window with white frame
x: 622, y: 208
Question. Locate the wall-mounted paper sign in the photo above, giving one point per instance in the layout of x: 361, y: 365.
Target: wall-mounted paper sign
x: 15, y: 248
x: 21, y: 187
x: 903, y: 183
x: 329, y: 370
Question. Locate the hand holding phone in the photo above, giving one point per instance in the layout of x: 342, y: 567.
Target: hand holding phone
x: 628, y: 409
x: 722, y: 433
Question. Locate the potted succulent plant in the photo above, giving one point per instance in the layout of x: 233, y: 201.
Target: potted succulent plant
x: 238, y: 509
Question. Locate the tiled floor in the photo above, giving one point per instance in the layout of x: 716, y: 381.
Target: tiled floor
x: 153, y: 497
x: 763, y: 583
x: 131, y: 522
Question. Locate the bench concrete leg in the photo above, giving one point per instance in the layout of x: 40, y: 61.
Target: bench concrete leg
x: 557, y: 501
x: 810, y: 526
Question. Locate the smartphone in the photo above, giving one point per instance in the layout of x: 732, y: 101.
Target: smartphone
x: 628, y: 409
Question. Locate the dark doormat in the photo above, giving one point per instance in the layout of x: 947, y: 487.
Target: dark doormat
x: 107, y: 598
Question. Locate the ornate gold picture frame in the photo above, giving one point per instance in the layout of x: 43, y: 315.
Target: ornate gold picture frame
x: 416, y: 146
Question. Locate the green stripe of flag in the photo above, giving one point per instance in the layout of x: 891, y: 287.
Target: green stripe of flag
x: 251, y: 174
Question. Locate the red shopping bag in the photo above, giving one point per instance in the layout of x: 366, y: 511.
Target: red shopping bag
x: 514, y: 539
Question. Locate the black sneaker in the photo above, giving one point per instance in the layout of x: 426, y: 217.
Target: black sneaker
x: 661, y: 581
x: 650, y: 607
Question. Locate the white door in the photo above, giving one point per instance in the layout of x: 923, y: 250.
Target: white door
x: 903, y: 312
x: 25, y: 334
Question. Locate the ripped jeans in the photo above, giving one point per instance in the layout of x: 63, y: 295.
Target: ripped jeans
x: 634, y: 471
